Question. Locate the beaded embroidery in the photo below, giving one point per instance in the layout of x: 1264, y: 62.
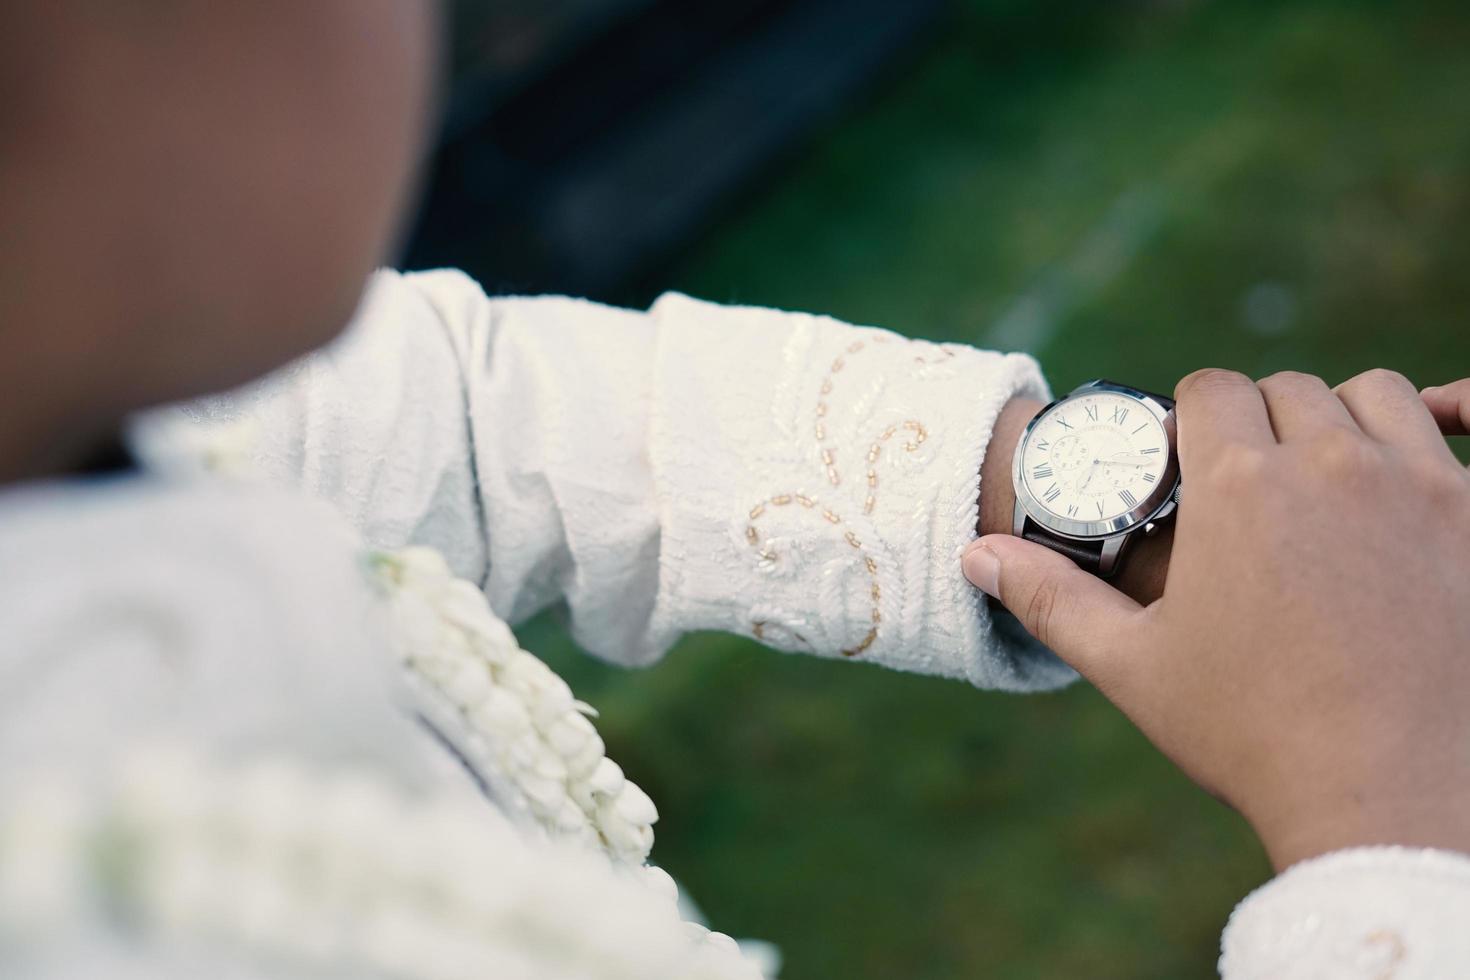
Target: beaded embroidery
x: 827, y: 453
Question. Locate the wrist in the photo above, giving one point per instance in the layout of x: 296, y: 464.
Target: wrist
x: 997, y: 492
x: 1350, y: 819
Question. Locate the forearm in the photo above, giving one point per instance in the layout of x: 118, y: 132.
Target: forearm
x: 1147, y: 563
x: 692, y: 467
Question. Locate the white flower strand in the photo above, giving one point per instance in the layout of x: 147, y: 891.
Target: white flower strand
x: 341, y: 872
x: 519, y: 725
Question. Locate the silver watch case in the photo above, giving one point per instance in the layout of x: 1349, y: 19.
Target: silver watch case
x: 1116, y: 532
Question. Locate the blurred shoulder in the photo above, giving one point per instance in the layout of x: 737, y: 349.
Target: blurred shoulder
x: 237, y: 613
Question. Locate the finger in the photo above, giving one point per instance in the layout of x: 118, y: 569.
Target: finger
x: 1450, y: 407
x: 1388, y: 408
x: 1080, y: 617
x: 1301, y: 406
x: 1216, y: 409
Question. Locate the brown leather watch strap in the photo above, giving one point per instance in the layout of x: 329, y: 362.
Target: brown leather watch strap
x: 1163, y: 400
x: 1086, y: 554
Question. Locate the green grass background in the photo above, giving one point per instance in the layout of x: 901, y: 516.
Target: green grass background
x: 1136, y: 190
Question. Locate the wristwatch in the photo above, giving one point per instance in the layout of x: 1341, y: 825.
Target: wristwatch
x: 1094, y: 470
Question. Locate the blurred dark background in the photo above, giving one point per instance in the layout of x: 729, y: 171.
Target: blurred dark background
x: 1128, y: 189
x: 587, y: 141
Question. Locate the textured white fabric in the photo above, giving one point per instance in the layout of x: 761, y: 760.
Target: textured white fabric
x: 236, y: 618
x: 1376, y: 913
x: 138, y: 607
x: 240, y: 622
x: 784, y: 476
x: 817, y: 484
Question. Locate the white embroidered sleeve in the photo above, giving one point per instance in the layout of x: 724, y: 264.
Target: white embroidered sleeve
x: 789, y: 477
x: 1366, y: 913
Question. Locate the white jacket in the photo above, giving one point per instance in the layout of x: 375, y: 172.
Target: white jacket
x: 787, y: 477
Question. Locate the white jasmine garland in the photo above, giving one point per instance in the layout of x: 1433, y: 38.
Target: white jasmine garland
x: 285, y: 865
x: 508, y: 714
x: 511, y: 718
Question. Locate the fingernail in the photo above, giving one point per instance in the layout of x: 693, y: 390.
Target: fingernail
x: 982, y: 568
x: 1431, y: 389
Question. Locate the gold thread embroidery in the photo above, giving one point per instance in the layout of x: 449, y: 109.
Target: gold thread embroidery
x: 1397, y: 950
x: 758, y: 630
x: 752, y: 534
x: 946, y: 355
x: 867, y: 642
x: 918, y: 435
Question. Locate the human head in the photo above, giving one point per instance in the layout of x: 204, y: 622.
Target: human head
x: 193, y: 191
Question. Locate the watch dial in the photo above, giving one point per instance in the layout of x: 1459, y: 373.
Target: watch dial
x: 1094, y: 457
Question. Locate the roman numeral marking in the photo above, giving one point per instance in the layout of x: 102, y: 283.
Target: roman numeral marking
x: 1128, y: 498
x: 1042, y: 445
x: 1062, y: 422
x: 1042, y: 472
x: 1091, y: 411
x: 1053, y: 493
x: 1149, y: 478
x: 1120, y: 414
x: 1140, y: 428
x: 1071, y: 510
x: 1099, y: 508
x: 1150, y: 450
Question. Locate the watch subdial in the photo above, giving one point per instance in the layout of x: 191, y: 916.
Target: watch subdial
x: 1069, y: 454
x: 1114, y: 476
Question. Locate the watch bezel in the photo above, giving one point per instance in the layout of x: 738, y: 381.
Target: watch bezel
x: 1148, y: 508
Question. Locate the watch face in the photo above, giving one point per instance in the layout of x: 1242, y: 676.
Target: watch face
x: 1096, y: 462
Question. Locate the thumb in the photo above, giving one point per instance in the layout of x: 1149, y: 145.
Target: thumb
x: 1450, y: 406
x: 1077, y: 615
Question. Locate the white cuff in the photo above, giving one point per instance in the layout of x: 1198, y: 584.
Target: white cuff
x: 819, y: 483
x: 1367, y: 913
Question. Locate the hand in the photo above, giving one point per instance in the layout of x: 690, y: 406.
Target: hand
x: 1309, y: 662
